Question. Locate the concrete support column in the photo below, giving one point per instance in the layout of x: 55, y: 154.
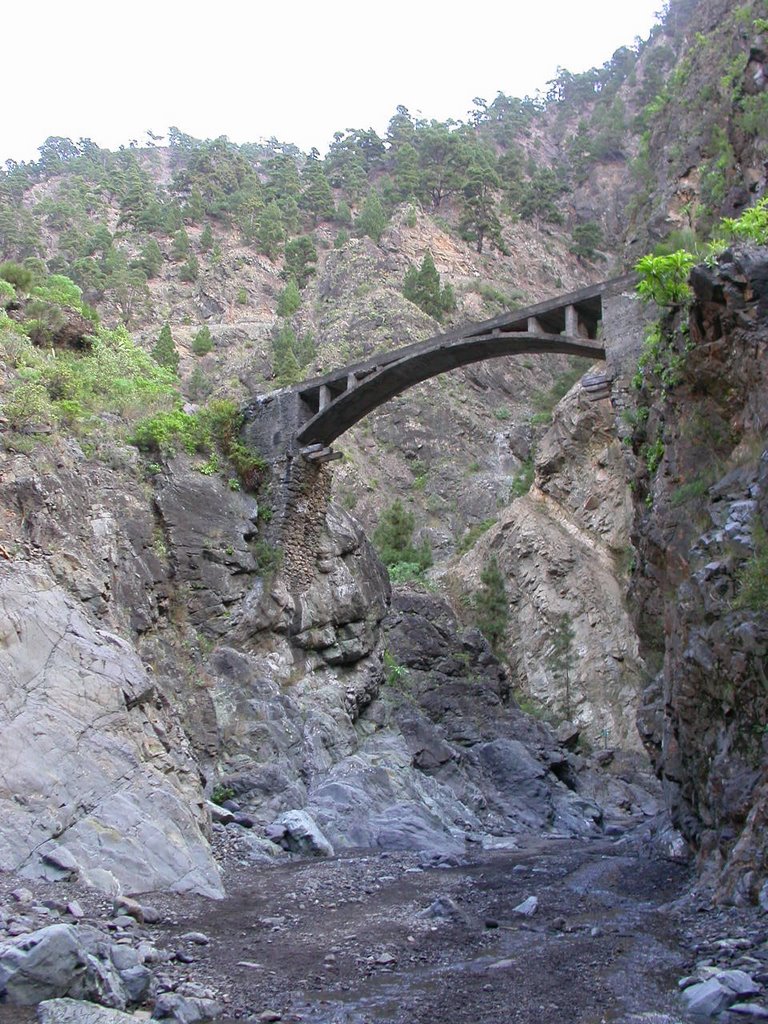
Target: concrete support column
x: 351, y: 381
x: 534, y: 327
x: 571, y: 322
x: 324, y: 397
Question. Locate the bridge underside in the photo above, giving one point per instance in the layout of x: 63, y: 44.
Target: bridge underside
x: 342, y: 404
x: 567, y: 324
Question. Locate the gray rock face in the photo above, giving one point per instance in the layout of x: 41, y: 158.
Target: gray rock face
x: 561, y: 549
x: 92, y: 751
x: 703, y: 717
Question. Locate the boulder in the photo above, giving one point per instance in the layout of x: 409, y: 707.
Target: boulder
x: 297, y: 832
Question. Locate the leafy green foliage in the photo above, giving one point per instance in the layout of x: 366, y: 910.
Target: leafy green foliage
x: 290, y: 354
x: 751, y: 226
x: 473, y: 534
x: 151, y: 258
x: 20, y: 277
x: 214, y: 429
x: 316, y: 195
x: 664, y: 279
x: 523, y: 480
x: 662, y: 360
x: 206, y: 239
x: 586, y: 239
x: 491, y: 605
x: 752, y: 592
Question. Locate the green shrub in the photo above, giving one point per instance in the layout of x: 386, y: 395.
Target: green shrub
x: 220, y: 793
x: 167, y: 432
x: 523, y: 480
x: 28, y: 406
x: 491, y: 606
x: 752, y: 580
x: 393, y: 539
x: 664, y: 279
x: 473, y: 534
x: 202, y: 343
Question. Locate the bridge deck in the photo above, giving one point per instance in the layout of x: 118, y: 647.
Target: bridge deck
x: 565, y: 324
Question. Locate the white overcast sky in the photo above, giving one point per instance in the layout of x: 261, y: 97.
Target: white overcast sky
x: 296, y: 69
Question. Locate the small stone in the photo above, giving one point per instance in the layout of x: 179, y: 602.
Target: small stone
x: 22, y: 895
x: 501, y: 965
x: 60, y: 857
x: 124, y: 905
x: 219, y: 815
x: 738, y: 982
x: 385, y: 960
x: 528, y: 907
x: 708, y: 998
x: 75, y: 910
x: 753, y: 1010
x: 270, y: 1016
x: 199, y: 938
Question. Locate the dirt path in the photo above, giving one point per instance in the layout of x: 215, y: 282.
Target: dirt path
x: 381, y: 938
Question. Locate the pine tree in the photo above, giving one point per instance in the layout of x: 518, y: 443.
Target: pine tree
x: 206, y: 239
x: 422, y: 287
x: 202, y: 343
x: 316, y: 197
x: 180, y: 246
x: 164, y: 351
x: 191, y: 269
x: 372, y: 219
x: 285, y: 365
x: 393, y: 539
x: 270, y: 232
x: 300, y: 260
x: 289, y: 299
x: 491, y: 605
x: 151, y: 259
x: 194, y: 211
x: 561, y: 657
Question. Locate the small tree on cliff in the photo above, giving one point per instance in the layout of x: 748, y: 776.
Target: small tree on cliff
x: 393, y: 538
x: 164, y: 350
x: 561, y: 656
x: 491, y: 604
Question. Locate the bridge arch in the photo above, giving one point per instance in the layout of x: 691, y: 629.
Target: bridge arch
x: 567, y: 324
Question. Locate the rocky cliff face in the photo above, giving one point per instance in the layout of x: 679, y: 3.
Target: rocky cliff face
x: 699, y: 583
x: 147, y: 656
x: 564, y: 551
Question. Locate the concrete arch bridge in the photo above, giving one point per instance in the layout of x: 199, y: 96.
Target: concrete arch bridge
x: 307, y: 418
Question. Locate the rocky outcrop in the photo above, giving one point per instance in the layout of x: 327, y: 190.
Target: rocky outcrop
x: 699, y: 532
x: 564, y: 550
x: 97, y: 777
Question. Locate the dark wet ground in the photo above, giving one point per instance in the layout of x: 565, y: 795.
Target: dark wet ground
x: 346, y: 941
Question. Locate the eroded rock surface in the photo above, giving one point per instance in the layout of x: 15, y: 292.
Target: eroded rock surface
x: 95, y: 771
x: 699, y: 533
